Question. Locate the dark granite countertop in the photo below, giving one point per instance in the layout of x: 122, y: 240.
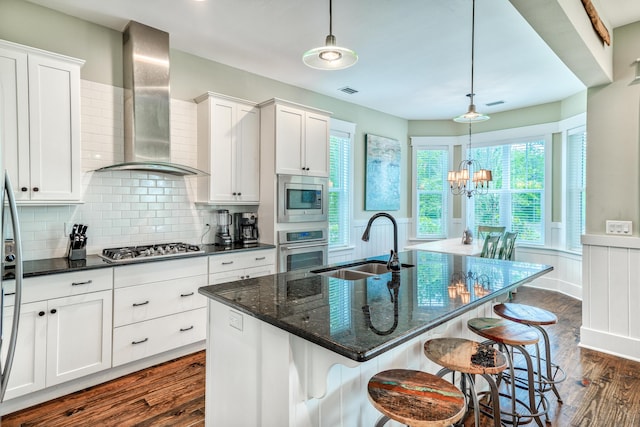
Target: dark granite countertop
x: 40, y: 267
x: 332, y: 312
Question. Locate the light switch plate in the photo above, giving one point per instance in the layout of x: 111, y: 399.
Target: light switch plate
x: 620, y: 228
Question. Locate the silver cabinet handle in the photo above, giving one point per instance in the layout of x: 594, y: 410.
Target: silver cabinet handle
x: 138, y: 304
x: 227, y: 263
x: 186, y: 295
x: 139, y: 342
x: 186, y: 329
x: 88, y: 282
x: 261, y: 258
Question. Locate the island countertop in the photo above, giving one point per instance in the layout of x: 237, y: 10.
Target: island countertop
x: 361, y: 319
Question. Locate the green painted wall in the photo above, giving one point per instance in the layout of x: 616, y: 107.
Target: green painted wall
x: 613, y: 139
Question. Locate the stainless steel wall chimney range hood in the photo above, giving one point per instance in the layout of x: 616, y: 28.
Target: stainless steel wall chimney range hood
x: 147, y: 144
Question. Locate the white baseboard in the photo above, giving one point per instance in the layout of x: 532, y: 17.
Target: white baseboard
x: 616, y: 345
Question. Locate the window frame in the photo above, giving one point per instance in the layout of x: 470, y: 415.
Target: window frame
x: 568, y: 167
x: 431, y: 143
x: 348, y: 128
x: 546, y: 138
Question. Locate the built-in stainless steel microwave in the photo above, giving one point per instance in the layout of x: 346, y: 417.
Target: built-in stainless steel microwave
x: 302, y: 198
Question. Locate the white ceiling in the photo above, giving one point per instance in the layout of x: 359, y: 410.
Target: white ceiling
x: 415, y: 55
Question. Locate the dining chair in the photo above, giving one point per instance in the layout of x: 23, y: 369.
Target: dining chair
x: 490, y: 230
x: 490, y: 246
x: 508, y: 243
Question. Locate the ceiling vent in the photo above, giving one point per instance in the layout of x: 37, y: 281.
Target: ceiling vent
x: 348, y: 90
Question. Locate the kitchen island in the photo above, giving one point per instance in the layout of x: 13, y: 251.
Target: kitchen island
x: 297, y: 348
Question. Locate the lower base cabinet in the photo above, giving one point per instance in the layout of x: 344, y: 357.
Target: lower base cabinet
x: 144, y: 339
x: 59, y: 339
x: 239, y: 266
x: 157, y: 308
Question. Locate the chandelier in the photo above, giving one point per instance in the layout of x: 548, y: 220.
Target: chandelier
x: 470, y: 178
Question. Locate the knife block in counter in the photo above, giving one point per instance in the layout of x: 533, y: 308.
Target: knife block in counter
x: 77, y: 254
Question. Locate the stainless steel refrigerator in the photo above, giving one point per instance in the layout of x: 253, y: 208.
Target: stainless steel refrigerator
x: 13, y: 261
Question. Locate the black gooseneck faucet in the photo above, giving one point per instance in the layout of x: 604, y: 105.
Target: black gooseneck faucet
x: 393, y: 263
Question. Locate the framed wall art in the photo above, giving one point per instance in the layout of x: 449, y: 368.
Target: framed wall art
x: 382, y: 180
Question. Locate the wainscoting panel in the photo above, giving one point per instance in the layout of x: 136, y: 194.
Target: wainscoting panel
x: 611, y: 295
x: 566, y: 276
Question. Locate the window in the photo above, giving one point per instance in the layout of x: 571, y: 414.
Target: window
x: 340, y: 171
x: 516, y: 197
x: 576, y: 178
x: 431, y: 189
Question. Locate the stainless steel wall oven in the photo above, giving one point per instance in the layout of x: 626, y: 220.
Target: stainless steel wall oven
x: 302, y: 249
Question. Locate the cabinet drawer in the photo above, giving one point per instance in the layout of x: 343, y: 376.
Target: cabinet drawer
x: 143, y: 302
x: 60, y: 285
x: 140, y: 340
x: 138, y: 274
x: 236, y: 261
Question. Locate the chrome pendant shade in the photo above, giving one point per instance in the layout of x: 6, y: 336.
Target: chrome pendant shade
x: 330, y: 56
x: 472, y: 116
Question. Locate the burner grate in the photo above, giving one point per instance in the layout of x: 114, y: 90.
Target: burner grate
x: 129, y: 253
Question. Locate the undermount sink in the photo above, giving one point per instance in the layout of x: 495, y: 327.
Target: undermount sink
x: 361, y: 270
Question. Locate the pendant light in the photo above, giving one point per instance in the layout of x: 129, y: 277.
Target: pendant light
x: 472, y: 116
x: 330, y: 56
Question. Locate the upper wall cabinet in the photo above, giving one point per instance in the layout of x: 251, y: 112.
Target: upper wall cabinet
x: 300, y: 136
x: 228, y: 149
x: 40, y: 123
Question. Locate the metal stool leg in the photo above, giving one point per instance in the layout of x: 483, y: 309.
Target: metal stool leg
x: 551, y: 381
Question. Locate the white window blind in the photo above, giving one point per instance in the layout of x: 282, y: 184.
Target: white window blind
x: 340, y: 161
x: 431, y: 191
x: 576, y: 178
x: 516, y: 196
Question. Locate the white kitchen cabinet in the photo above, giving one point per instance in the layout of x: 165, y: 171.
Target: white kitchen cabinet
x: 65, y: 329
x: 299, y: 135
x: 30, y: 359
x: 78, y: 336
x: 157, y: 307
x: 241, y: 265
x: 228, y: 149
x: 40, y: 123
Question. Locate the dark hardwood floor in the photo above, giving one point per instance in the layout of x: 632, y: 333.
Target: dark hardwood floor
x: 169, y: 394
x: 600, y: 390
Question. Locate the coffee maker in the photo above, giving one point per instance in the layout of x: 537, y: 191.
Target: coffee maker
x: 224, y: 220
x: 246, y: 228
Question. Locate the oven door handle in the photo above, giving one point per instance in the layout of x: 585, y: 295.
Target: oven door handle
x: 310, y: 245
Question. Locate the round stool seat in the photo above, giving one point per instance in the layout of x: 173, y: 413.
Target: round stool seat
x: 503, y: 331
x: 470, y: 358
x: 526, y: 314
x: 462, y: 355
x: 416, y: 398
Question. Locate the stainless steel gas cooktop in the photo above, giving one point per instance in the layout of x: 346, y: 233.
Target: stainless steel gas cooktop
x: 131, y: 253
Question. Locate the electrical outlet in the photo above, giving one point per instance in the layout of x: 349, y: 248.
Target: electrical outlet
x: 620, y: 228
x: 235, y: 320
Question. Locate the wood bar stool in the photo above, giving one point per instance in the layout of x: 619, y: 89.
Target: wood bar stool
x: 415, y: 398
x: 536, y: 317
x: 509, y: 336
x: 469, y: 358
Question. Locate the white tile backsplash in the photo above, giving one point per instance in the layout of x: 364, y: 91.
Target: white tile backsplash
x: 122, y: 208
